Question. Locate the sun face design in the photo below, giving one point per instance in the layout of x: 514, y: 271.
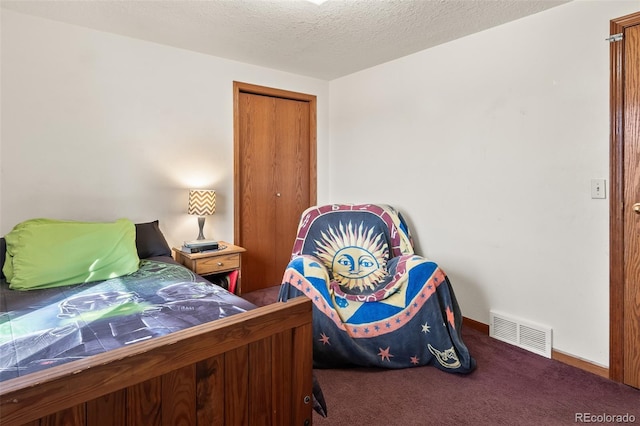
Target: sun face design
x: 355, y: 255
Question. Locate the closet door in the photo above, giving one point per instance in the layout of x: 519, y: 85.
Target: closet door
x: 291, y: 177
x: 275, y: 180
x: 257, y: 188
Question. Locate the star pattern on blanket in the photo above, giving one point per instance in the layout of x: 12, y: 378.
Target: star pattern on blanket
x: 426, y: 328
x: 324, y: 339
x: 415, y: 360
x: 384, y: 353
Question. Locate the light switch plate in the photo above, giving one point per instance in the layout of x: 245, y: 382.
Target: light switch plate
x: 598, y: 188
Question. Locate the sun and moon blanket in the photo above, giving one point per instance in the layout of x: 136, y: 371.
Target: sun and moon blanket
x: 376, y: 303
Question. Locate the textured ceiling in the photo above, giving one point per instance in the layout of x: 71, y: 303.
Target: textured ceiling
x: 325, y: 41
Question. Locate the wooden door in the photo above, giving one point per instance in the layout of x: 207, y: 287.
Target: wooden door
x: 625, y: 202
x: 274, y: 177
x: 291, y: 178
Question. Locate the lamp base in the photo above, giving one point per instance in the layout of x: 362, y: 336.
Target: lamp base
x: 201, y: 226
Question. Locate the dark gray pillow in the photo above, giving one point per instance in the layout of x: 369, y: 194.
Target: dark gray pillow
x: 3, y: 253
x: 150, y: 241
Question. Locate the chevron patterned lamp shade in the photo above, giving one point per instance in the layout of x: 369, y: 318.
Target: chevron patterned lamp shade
x: 202, y: 202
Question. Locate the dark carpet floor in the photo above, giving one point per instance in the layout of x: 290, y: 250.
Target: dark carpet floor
x: 510, y: 386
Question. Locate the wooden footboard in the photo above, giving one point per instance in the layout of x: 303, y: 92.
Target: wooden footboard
x: 253, y: 368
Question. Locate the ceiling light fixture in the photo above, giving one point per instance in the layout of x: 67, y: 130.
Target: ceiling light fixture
x: 318, y: 2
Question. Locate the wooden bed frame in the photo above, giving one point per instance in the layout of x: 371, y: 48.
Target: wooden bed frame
x: 253, y: 368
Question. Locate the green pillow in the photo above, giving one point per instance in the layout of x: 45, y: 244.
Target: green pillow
x: 43, y: 253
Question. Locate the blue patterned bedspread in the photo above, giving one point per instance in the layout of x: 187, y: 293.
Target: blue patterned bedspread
x: 43, y: 328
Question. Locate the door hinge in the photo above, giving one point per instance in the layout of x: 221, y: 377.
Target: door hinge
x: 614, y: 37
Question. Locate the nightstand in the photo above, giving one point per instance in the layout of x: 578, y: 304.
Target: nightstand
x: 212, y: 262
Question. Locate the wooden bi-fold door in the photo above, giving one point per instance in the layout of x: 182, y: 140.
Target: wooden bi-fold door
x: 275, y: 177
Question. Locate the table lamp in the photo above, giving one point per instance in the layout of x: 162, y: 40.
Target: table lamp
x: 202, y: 202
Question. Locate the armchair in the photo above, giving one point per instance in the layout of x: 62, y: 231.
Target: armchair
x: 376, y: 303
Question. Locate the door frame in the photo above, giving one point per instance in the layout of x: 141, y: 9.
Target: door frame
x: 240, y: 87
x: 616, y: 201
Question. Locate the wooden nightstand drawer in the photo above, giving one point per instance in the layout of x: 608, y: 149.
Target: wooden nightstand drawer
x: 228, y: 258
x: 216, y: 264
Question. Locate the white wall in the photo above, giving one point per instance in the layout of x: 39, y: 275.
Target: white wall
x: 97, y: 126
x: 488, y: 145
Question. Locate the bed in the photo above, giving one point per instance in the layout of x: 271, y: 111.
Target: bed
x: 157, y: 346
